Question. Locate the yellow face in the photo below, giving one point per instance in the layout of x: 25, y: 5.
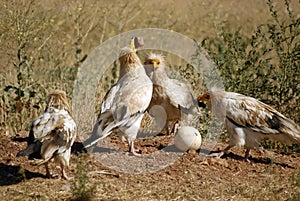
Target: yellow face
x: 154, y: 62
x: 205, y: 98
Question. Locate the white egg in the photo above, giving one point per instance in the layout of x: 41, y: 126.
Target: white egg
x: 187, y: 137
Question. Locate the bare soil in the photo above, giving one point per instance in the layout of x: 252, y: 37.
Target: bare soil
x: 113, y: 174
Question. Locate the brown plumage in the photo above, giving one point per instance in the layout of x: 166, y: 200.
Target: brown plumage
x: 52, y: 134
x: 248, y: 120
x: 124, y: 104
x: 129, y: 62
x: 172, y: 95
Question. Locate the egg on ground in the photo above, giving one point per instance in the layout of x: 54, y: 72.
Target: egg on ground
x: 187, y: 138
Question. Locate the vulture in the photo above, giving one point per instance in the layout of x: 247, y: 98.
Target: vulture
x: 124, y: 105
x: 248, y: 120
x: 52, y: 134
x: 172, y: 95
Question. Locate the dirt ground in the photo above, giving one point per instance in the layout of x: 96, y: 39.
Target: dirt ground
x: 162, y: 173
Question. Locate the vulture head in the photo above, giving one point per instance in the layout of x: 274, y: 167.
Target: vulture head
x: 203, y: 100
x: 129, y: 60
x: 58, y: 99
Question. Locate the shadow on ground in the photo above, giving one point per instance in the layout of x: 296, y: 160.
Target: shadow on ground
x: 78, y: 148
x: 10, y: 174
x: 265, y: 160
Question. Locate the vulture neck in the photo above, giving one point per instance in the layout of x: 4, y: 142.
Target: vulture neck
x: 216, y: 104
x: 129, y: 62
x: 59, y: 102
x: 217, y: 95
x: 160, y: 74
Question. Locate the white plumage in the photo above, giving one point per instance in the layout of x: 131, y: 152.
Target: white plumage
x: 124, y: 105
x: 172, y: 95
x: 248, y: 120
x: 52, y: 134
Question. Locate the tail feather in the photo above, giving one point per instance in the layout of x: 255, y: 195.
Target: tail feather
x: 99, y: 134
x: 107, y: 131
x: 285, y: 138
x: 290, y: 130
x: 38, y: 162
x: 26, y: 152
x: 31, y: 149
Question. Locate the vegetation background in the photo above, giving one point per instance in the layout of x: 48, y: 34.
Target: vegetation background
x: 255, y: 45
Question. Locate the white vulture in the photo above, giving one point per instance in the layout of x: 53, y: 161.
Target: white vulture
x: 248, y: 120
x: 172, y: 95
x: 52, y: 134
x: 124, y: 105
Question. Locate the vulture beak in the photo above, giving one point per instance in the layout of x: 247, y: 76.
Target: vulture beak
x: 201, y: 104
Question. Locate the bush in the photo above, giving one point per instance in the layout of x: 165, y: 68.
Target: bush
x: 264, y: 65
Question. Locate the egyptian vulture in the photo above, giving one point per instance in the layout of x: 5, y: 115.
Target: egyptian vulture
x: 52, y: 134
x: 124, y: 105
x: 248, y: 120
x: 172, y: 95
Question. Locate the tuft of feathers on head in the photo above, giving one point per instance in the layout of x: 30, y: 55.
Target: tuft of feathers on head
x: 58, y: 99
x: 125, y: 51
x: 159, y: 58
x: 128, y: 58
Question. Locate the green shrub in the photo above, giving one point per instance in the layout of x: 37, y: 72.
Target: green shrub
x: 80, y: 189
x: 264, y: 65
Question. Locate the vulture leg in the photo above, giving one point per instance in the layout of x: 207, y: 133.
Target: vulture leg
x: 132, y: 149
x: 167, y: 128
x: 176, y: 126
x: 48, y: 174
x: 247, y: 154
x: 63, y: 173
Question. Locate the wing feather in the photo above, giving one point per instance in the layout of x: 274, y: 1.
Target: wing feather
x: 108, y: 99
x: 249, y: 112
x: 180, y: 95
x: 125, y: 102
x: 174, y: 92
x: 54, y: 130
x: 129, y: 96
x: 256, y: 115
